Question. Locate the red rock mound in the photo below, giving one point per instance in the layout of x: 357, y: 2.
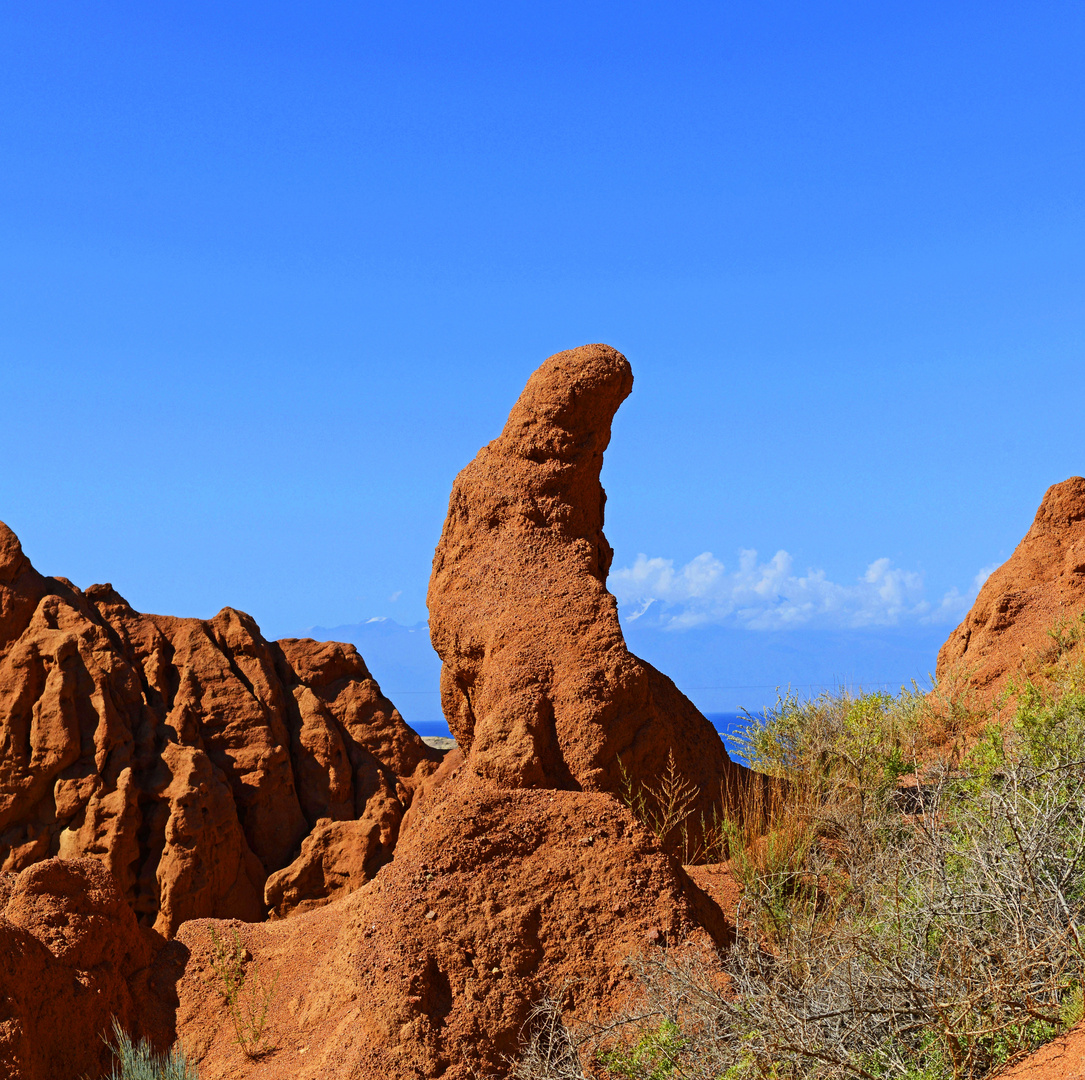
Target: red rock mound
x: 1006, y: 632
x: 537, y: 683
x: 71, y: 959
x: 204, y: 765
x: 495, y: 898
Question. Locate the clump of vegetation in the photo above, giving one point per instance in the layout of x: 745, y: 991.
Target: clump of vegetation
x: 549, y: 1052
x: 665, y: 807
x: 246, y: 991
x: 654, y: 1055
x: 913, y: 875
x: 140, y: 1062
x: 1050, y: 664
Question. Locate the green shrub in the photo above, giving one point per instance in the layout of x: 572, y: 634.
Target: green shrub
x: 863, y: 742
x: 246, y: 992
x: 931, y: 937
x: 1049, y: 723
x: 654, y: 1056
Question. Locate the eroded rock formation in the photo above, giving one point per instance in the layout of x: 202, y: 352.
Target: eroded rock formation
x: 518, y: 871
x: 537, y: 683
x: 1007, y: 631
x: 199, y: 761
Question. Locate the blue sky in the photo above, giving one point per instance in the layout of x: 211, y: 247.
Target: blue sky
x: 271, y: 273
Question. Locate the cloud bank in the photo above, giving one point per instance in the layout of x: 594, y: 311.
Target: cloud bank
x: 771, y: 596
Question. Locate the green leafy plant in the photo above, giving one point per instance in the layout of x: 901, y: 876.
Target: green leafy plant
x: 859, y: 743
x: 246, y: 991
x: 1049, y: 723
x: 1067, y: 633
x: 1072, y: 1009
x: 654, y: 1056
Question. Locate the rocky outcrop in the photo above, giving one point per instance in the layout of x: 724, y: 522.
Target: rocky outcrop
x: 537, y: 683
x: 518, y: 872
x: 71, y: 959
x: 496, y: 898
x: 1006, y: 633
x: 193, y: 757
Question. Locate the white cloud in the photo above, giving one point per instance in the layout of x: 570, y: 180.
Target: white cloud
x: 772, y: 596
x: 955, y: 604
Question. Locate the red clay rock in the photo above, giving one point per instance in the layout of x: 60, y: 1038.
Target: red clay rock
x: 337, y: 856
x: 1006, y: 632
x: 517, y: 872
x: 537, y: 683
x: 495, y: 898
x: 71, y: 959
x: 192, y: 756
x: 1061, y: 1059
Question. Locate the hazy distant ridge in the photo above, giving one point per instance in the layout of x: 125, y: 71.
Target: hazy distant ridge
x: 721, y: 669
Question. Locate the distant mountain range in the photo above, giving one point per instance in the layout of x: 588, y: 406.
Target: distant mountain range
x: 400, y: 658
x: 722, y: 669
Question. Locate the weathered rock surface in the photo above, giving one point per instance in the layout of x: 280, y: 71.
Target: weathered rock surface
x: 537, y: 683
x: 495, y: 899
x: 192, y: 756
x: 199, y: 754
x: 71, y: 958
x: 1006, y: 632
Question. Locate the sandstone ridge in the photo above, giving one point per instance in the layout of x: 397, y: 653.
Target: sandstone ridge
x: 215, y: 773
x: 1006, y: 633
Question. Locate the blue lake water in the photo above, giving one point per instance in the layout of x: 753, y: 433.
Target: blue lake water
x: 726, y: 723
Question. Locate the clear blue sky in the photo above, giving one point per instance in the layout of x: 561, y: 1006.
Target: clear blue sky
x: 271, y: 273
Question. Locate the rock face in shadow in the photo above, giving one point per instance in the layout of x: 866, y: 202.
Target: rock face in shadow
x: 71, y: 959
x: 1006, y: 632
x: 192, y: 757
x: 537, y: 683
